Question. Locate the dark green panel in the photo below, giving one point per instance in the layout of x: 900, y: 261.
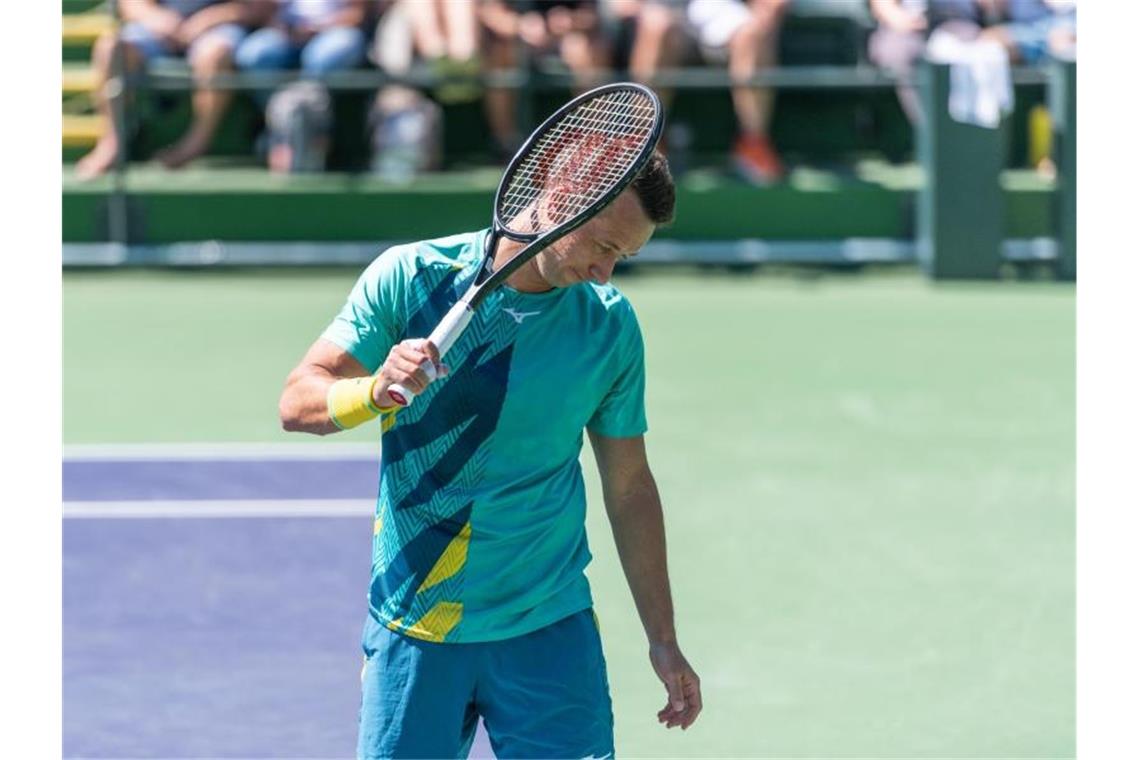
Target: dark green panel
x: 81, y: 217
x: 81, y: 6
x: 1028, y: 213
x: 961, y: 207
x: 76, y: 53
x: 735, y: 210
x: 172, y: 217
x: 252, y: 205
x: 349, y: 210
x: 1063, y: 107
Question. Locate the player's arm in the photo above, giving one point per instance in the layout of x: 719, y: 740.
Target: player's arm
x: 309, y: 393
x: 633, y: 506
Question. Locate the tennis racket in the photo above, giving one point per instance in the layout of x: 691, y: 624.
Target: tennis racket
x: 567, y: 171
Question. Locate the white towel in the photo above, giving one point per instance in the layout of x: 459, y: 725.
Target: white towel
x: 981, y: 91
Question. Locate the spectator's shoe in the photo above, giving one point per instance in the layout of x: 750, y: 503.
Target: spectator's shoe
x: 756, y: 161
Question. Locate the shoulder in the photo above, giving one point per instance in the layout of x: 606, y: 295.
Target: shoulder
x: 449, y: 251
x: 607, y: 298
x: 605, y: 310
x: 404, y: 261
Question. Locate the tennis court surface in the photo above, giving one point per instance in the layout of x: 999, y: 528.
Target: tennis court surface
x: 870, y: 514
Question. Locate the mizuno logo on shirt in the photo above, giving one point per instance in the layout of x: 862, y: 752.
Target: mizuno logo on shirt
x: 519, y: 316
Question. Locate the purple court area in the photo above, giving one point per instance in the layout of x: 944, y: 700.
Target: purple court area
x: 214, y: 636
x: 140, y: 479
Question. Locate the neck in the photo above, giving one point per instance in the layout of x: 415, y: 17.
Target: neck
x: 525, y: 279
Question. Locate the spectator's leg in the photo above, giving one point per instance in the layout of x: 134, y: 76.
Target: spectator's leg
x: 754, y: 46
x: 267, y: 49
x: 896, y: 52
x: 427, y: 33
x: 210, y: 55
x: 657, y: 43
x: 335, y: 49
x: 500, y: 101
x: 103, y: 156
x: 461, y: 29
x: 585, y: 56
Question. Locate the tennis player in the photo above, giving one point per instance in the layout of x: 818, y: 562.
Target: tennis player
x: 478, y: 603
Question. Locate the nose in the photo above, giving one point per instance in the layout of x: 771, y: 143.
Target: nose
x: 601, y: 271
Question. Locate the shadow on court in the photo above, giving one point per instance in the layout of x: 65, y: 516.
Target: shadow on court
x: 213, y: 608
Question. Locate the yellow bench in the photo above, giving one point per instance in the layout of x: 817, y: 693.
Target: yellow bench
x: 81, y: 130
x: 78, y: 81
x: 85, y: 28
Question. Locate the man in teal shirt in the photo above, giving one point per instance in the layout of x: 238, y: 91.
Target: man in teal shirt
x: 479, y: 603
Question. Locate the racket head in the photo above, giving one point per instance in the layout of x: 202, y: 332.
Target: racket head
x: 577, y: 161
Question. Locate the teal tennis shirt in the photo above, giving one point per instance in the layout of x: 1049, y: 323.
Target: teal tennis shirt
x: 480, y: 520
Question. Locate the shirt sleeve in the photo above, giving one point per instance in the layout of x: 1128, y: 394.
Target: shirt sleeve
x: 622, y: 411
x: 369, y: 324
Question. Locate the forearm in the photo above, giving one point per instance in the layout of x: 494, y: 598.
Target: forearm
x: 303, y: 407
x: 639, y: 533
x: 319, y: 401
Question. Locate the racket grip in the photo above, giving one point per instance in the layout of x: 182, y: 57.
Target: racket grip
x: 443, y: 337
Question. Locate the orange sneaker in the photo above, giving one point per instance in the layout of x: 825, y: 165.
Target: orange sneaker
x: 756, y: 160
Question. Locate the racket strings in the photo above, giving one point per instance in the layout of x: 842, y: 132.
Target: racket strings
x: 578, y: 160
x: 573, y: 151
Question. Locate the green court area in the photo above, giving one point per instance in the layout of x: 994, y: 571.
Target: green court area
x: 868, y: 482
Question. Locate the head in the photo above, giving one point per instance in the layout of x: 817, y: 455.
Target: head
x: 618, y: 232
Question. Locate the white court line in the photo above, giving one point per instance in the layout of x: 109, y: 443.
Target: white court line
x: 223, y: 451
x: 183, y: 509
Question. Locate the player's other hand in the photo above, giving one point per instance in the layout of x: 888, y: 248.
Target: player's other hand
x: 405, y: 365
x: 681, y: 683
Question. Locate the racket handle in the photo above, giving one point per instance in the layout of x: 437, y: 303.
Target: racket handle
x: 443, y: 337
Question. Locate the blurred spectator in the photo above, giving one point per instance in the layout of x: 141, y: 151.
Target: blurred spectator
x: 405, y: 126
x: 445, y: 35
x: 315, y: 37
x: 1031, y: 30
x: 647, y: 36
x: 903, y: 28
x: 746, y: 35
x: 206, y: 31
x: 657, y: 33
x: 567, y: 30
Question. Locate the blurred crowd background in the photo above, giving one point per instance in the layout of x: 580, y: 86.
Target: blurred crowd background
x: 402, y: 87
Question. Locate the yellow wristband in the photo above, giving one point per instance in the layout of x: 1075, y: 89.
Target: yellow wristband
x: 350, y: 401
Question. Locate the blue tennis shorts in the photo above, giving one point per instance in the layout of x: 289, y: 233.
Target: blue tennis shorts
x: 544, y: 694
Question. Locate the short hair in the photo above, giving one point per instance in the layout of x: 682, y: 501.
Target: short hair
x: 655, y: 189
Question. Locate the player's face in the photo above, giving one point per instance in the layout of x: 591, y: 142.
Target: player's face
x: 591, y: 251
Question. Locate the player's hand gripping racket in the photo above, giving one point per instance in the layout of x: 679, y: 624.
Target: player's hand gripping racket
x: 573, y: 165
